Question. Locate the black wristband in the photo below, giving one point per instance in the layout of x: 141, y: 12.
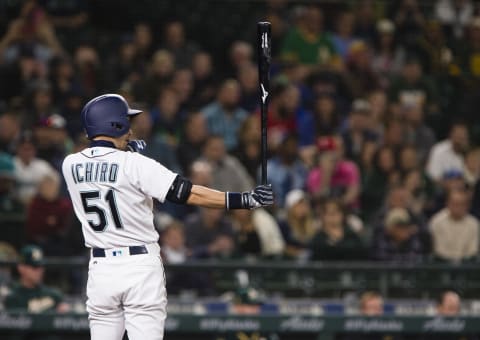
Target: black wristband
x: 233, y: 200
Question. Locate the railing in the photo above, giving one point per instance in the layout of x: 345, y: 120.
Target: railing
x: 321, y: 279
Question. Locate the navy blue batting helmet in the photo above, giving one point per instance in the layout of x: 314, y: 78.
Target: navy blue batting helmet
x: 107, y: 115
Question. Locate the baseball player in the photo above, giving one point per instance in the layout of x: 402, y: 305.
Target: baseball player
x: 112, y: 190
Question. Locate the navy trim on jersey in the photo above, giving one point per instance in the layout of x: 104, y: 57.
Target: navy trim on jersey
x: 103, y: 154
x: 101, y: 142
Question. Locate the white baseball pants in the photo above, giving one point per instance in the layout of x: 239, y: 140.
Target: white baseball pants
x: 127, y: 292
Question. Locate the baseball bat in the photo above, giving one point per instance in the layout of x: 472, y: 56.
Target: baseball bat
x: 264, y: 59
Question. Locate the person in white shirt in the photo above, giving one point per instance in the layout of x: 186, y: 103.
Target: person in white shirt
x: 454, y: 231
x: 29, y: 170
x: 449, y: 154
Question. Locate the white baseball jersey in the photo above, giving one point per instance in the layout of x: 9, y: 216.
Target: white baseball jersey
x: 112, y: 193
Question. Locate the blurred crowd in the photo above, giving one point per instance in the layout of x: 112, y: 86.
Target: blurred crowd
x: 373, y: 137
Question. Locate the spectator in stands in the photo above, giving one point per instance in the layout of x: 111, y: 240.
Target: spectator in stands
x: 224, y: 116
x: 398, y: 196
x: 49, y: 216
x: 307, y: 42
x: 32, y: 31
x: 418, y: 132
x: 52, y: 140
x: 378, y: 111
x: 451, y: 180
x: 176, y: 42
x: 455, y: 232
x: 336, y: 241
x: 124, y: 66
x: 248, y: 151
x: 257, y: 234
x: 343, y: 36
x: 88, y: 64
x: 415, y: 180
x: 395, y: 134
x: 228, y: 173
x: 143, y: 42
x: 365, y: 15
x: 167, y: 117
x: 468, y: 51
x: 158, y: 75
x: 357, y: 130
x: 172, y: 243
x: 285, y: 170
x: 399, y: 239
x: 472, y: 167
x: 40, y: 103
x: 448, y: 154
x: 182, y: 83
x: 204, y: 79
x: 371, y: 304
x: 63, y: 82
x: 10, y: 132
x: 376, y: 182
x: 413, y: 87
x: 433, y: 49
x: 388, y: 56
x: 191, y: 144
x: 323, y: 119
x: 334, y: 176
x: 209, y: 234
x: 359, y: 74
x: 71, y: 21
x: 448, y: 303
x: 408, y: 18
x: 29, y: 294
x: 173, y: 250
x: 248, y: 80
x: 29, y: 169
x: 240, y: 54
x: 299, y: 225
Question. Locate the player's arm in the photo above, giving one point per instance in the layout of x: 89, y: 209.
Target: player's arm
x: 183, y: 191
x: 206, y: 197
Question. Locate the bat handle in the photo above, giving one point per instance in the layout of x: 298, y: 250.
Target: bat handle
x: 264, y: 148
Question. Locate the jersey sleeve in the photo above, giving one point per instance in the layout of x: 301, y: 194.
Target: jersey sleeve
x: 148, y: 175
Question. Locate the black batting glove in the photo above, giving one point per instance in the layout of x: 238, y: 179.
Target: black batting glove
x: 261, y: 196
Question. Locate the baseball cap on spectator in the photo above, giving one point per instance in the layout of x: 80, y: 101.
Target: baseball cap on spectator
x: 357, y: 46
x: 7, y: 168
x: 32, y: 255
x: 385, y: 26
x: 293, y: 197
x: 326, y: 143
x: 453, y: 174
x: 54, y: 121
x: 397, y: 217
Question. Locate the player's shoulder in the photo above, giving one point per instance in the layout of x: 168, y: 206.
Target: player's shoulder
x: 137, y: 158
x: 69, y: 159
